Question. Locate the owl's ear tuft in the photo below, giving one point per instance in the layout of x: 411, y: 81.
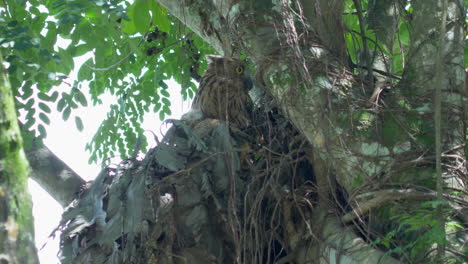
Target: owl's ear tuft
x: 214, y: 58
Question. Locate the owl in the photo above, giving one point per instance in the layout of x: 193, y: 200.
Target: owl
x: 223, y: 92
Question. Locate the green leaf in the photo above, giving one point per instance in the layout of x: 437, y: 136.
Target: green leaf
x: 166, y: 101
x: 44, y: 118
x: 141, y: 16
x: 166, y: 110
x: 161, y: 115
x: 67, y: 63
x: 42, y: 131
x: 156, y: 107
x: 81, y: 50
x: 120, y: 144
x: 164, y: 93
x: 54, y: 96
x: 61, y: 104
x: 352, y: 44
x: 397, y: 63
x: 85, y: 72
x: 73, y: 105
x: 51, y: 37
x: 352, y: 22
x: 66, y: 113
x: 79, y: 123
x: 122, y: 107
x: 404, y: 35
x: 160, y: 17
x: 31, y: 121
x: 30, y: 114
x: 163, y: 85
x: 29, y: 103
x: 43, y: 96
x: 79, y: 96
x: 128, y: 27
x: 25, y: 43
x: 27, y: 90
x: 44, y: 107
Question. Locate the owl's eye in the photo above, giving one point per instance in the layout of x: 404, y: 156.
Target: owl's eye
x: 240, y: 70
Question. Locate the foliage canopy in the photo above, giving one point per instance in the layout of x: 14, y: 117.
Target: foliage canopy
x: 131, y: 50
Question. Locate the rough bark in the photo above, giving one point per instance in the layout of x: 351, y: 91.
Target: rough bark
x: 322, y: 99
x: 419, y: 78
x: 201, y: 206
x: 320, y: 103
x: 383, y: 18
x: 326, y: 17
x: 16, y: 220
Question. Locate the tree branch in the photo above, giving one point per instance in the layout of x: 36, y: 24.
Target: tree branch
x: 377, y: 199
x: 59, y: 180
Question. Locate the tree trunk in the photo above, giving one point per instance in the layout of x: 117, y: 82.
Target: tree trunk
x: 308, y: 186
x: 16, y: 220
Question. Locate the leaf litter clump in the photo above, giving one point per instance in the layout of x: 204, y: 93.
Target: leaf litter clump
x: 208, y: 193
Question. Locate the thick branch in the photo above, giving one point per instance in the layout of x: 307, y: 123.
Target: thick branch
x: 369, y: 201
x: 59, y: 180
x: 346, y: 247
x: 198, y: 18
x: 343, y: 246
x: 326, y: 17
x: 384, y: 197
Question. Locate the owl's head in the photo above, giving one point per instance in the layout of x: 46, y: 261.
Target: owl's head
x: 224, y: 66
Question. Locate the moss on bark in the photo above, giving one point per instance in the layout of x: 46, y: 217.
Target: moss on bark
x: 17, y: 232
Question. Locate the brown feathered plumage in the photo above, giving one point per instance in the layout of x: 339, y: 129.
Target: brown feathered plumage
x: 223, y: 92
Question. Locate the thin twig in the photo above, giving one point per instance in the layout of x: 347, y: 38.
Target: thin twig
x: 357, y: 4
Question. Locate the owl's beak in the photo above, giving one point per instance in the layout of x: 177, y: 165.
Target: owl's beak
x: 248, y: 83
